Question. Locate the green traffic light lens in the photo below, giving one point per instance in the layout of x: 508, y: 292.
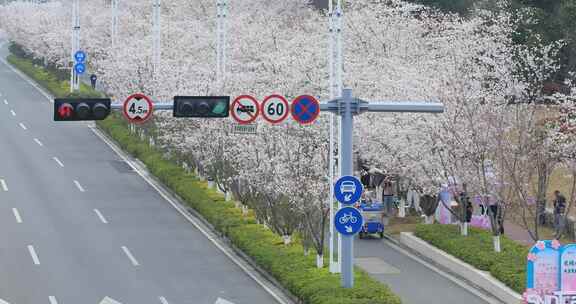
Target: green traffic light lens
x: 219, y: 108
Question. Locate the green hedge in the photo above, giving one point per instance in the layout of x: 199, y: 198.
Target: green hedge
x: 296, y: 272
x: 508, y: 266
x: 58, y: 88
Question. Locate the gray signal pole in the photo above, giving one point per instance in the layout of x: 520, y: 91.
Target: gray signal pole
x: 347, y: 106
x: 221, y: 15
x: 156, y: 42
x: 114, y: 26
x: 75, y: 44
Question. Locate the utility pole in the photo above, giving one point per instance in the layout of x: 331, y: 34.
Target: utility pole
x: 346, y: 107
x: 156, y: 42
x: 114, y: 28
x: 221, y: 15
x: 335, y: 62
x: 75, y: 44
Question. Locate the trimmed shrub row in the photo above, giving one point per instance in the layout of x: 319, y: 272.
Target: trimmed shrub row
x: 508, y: 266
x: 287, y: 263
x: 58, y: 88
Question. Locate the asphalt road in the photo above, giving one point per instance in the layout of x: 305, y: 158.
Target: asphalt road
x: 77, y: 225
x: 410, y: 279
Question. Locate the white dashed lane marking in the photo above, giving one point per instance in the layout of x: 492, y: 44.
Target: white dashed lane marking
x: 5, y: 101
x: 3, y: 184
x: 130, y: 256
x: 163, y: 300
x: 38, y: 142
x: 60, y: 163
x: 13, y: 113
x: 17, y: 215
x: 100, y: 216
x: 79, y: 186
x: 52, y: 300
x: 33, y: 255
x: 23, y: 126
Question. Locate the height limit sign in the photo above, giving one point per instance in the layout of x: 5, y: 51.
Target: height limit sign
x: 138, y: 108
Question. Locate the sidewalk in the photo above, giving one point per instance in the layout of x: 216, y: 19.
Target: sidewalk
x: 517, y: 233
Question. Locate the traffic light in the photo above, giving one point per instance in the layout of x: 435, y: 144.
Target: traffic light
x: 202, y: 106
x: 78, y: 109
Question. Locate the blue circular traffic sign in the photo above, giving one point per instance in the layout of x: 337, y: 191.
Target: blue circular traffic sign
x: 80, y: 68
x: 348, y: 190
x: 348, y: 221
x: 305, y: 109
x: 80, y: 56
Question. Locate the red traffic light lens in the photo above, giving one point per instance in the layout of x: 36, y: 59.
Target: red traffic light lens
x: 65, y: 111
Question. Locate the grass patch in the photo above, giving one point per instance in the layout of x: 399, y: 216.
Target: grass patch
x: 508, y: 266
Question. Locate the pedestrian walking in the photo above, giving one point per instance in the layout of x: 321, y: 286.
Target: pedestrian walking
x: 559, y: 210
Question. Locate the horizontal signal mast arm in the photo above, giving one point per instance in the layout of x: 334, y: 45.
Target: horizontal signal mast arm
x: 157, y: 106
x: 385, y: 106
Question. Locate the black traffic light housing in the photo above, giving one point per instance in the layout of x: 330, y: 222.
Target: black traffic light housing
x: 80, y: 109
x: 202, y: 106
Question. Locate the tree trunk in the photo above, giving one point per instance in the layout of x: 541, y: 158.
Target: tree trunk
x: 210, y: 184
x: 319, y: 261
x: 228, y: 196
x: 402, y: 209
x: 496, y: 241
x: 429, y: 220
x: 464, y: 229
x: 287, y: 239
x: 244, y: 210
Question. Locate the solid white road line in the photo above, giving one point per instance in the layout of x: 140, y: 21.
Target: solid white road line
x: 27, y: 79
x: 33, y: 255
x: 52, y: 300
x: 17, y: 215
x: 59, y: 163
x: 184, y: 213
x: 3, y: 184
x: 23, y: 126
x: 102, y: 218
x: 130, y: 256
x: 38, y: 142
x: 163, y: 300
x: 79, y: 186
x: 13, y: 113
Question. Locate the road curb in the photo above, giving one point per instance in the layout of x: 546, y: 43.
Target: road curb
x: 285, y: 295
x: 482, y: 279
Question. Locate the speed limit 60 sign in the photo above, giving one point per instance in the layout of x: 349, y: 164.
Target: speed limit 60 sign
x: 138, y: 108
x: 275, y: 108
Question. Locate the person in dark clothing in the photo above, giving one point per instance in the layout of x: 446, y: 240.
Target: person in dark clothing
x: 559, y: 210
x: 93, y: 79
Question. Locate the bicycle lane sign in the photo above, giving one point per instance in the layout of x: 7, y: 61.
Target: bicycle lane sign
x: 348, y: 221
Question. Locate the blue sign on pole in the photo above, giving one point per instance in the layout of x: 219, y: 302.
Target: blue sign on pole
x: 80, y: 56
x: 348, y: 190
x: 80, y: 68
x: 348, y: 221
